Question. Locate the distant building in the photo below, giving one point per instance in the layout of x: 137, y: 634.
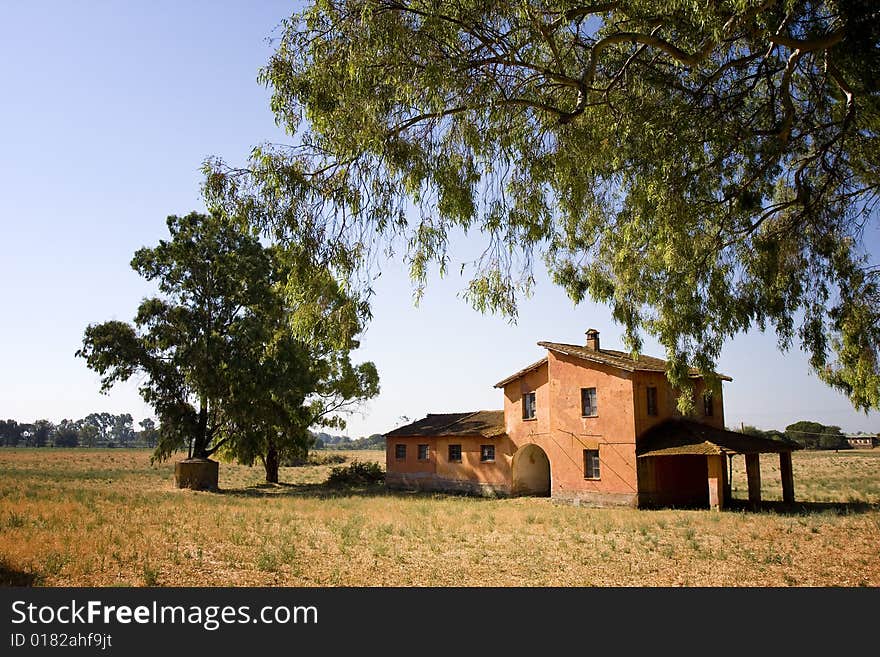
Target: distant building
x: 587, y: 425
x: 862, y: 440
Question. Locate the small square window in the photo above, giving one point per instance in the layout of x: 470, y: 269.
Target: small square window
x: 455, y: 453
x: 652, y: 400
x: 487, y: 453
x: 529, y: 409
x: 423, y: 452
x: 591, y: 464
x: 400, y: 452
x: 588, y: 402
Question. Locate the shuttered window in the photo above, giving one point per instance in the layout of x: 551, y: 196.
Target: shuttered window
x: 588, y: 402
x: 529, y: 409
x: 591, y: 464
x: 455, y: 453
x: 652, y: 400
x: 708, y: 407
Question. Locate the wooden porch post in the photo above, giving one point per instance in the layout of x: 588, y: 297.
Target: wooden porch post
x: 728, y: 471
x: 787, y: 476
x: 715, y: 463
x: 753, y: 472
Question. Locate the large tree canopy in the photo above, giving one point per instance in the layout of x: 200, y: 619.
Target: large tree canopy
x: 699, y: 167
x: 246, y: 347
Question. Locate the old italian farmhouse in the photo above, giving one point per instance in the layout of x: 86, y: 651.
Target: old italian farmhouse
x: 588, y: 425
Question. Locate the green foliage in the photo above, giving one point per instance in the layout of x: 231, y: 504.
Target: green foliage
x: 357, y: 473
x: 311, y: 459
x: 189, y: 345
x: 373, y: 441
x: 10, y: 433
x: 246, y: 347
x: 42, y: 430
x: 813, y: 435
x: 149, y: 434
x: 701, y: 168
x: 772, y: 434
x: 66, y: 434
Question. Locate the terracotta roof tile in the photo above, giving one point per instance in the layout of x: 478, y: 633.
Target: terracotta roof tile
x: 615, y: 358
x: 524, y: 370
x: 677, y: 437
x: 488, y: 424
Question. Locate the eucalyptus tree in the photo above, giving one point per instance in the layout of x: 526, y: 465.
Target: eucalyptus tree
x: 301, y: 374
x: 702, y: 168
x: 225, y: 355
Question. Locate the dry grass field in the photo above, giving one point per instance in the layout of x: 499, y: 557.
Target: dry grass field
x: 107, y: 517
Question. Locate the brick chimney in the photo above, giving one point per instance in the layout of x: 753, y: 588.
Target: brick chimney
x: 593, y: 339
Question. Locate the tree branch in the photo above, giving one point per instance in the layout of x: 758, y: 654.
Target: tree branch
x: 810, y: 45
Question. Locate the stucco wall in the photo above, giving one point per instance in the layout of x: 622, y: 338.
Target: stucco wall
x: 470, y: 467
x: 537, y: 381
x: 564, y: 434
x: 411, y: 463
x: 667, y: 402
x: 717, y: 418
x: 471, y: 474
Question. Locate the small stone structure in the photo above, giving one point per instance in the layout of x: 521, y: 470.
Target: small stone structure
x: 197, y: 474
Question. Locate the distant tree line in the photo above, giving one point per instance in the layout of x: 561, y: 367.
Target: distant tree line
x: 94, y: 430
x: 108, y: 430
x: 809, y: 435
x: 326, y: 441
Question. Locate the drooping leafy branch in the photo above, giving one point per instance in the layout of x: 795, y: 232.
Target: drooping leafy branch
x: 699, y: 167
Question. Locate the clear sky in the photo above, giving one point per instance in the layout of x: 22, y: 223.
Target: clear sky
x: 108, y: 110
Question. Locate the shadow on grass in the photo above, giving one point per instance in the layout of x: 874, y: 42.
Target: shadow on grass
x: 805, y: 508
x: 11, y: 577
x: 320, y: 491
x: 326, y: 491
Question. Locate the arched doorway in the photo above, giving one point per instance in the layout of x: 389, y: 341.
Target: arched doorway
x: 531, y: 471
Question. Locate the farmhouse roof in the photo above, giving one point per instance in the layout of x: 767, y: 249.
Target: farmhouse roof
x: 619, y: 359
x: 488, y: 424
x: 677, y: 437
x: 518, y: 374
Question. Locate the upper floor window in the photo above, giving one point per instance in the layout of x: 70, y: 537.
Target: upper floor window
x: 487, y: 453
x: 423, y: 452
x: 708, y: 406
x: 400, y: 452
x: 529, y: 407
x: 652, y: 400
x: 588, y: 402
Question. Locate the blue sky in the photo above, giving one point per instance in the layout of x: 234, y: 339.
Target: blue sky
x: 109, y: 109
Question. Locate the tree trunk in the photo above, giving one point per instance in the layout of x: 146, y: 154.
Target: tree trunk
x: 200, y: 444
x: 271, y: 464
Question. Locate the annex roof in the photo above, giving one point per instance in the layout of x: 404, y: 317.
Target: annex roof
x: 488, y: 424
x: 677, y: 437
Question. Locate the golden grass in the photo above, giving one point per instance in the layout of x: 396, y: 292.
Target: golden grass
x: 819, y: 476
x: 107, y: 517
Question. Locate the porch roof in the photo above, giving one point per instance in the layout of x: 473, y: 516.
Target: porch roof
x: 678, y: 437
